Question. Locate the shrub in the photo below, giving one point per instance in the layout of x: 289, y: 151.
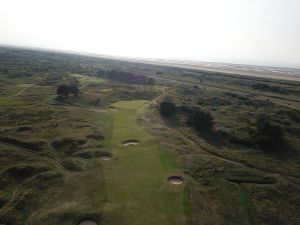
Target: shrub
x: 264, y: 142
x: 72, y: 165
x: 200, y: 120
x: 265, y: 127
x: 69, y: 145
x: 240, y: 140
x: 24, y: 128
x: 293, y: 114
x: 84, y: 154
x: 64, y: 90
x: 96, y: 136
x: 24, y: 171
x: 167, y: 109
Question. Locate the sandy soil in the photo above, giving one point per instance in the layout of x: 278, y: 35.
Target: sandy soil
x: 105, y: 157
x: 131, y: 142
x: 176, y: 180
x: 88, y: 222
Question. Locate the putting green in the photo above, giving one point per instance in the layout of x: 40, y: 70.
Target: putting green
x: 138, y: 192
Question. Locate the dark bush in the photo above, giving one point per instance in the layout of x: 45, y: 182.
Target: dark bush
x: 61, y: 142
x: 45, y: 176
x: 64, y: 90
x: 167, y: 109
x: 185, y: 109
x: 200, y: 120
x: 69, y: 145
x: 72, y: 165
x: 22, y: 172
x: 95, y: 136
x: 264, y: 142
x: 265, y: 127
x: 24, y: 128
x: 84, y: 154
x: 240, y: 140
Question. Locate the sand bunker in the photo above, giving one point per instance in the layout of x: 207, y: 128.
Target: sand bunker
x: 176, y: 180
x: 87, y: 222
x: 130, y: 142
x: 105, y: 156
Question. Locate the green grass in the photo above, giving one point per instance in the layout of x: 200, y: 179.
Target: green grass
x: 88, y: 79
x: 130, y: 105
x: 11, y: 101
x: 136, y: 179
x: 24, y: 85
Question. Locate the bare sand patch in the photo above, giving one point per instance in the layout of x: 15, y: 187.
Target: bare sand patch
x: 176, y: 179
x: 130, y: 142
x: 87, y: 222
x: 105, y: 156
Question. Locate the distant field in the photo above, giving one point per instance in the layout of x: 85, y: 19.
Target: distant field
x: 244, y: 70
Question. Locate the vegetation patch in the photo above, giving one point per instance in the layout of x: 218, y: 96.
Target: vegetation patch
x: 23, y: 171
x: 24, y: 144
x: 84, y: 154
x: 73, y: 164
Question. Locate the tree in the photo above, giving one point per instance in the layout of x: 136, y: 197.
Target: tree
x: 200, y: 120
x: 63, y: 90
x: 74, y: 90
x: 167, y: 109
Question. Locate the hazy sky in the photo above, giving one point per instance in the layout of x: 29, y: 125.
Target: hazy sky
x: 239, y: 31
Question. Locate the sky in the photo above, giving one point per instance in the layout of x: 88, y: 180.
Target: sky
x: 262, y: 32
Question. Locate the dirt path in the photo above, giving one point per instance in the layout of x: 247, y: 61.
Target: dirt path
x: 159, y: 97
x: 25, y: 89
x: 20, y: 92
